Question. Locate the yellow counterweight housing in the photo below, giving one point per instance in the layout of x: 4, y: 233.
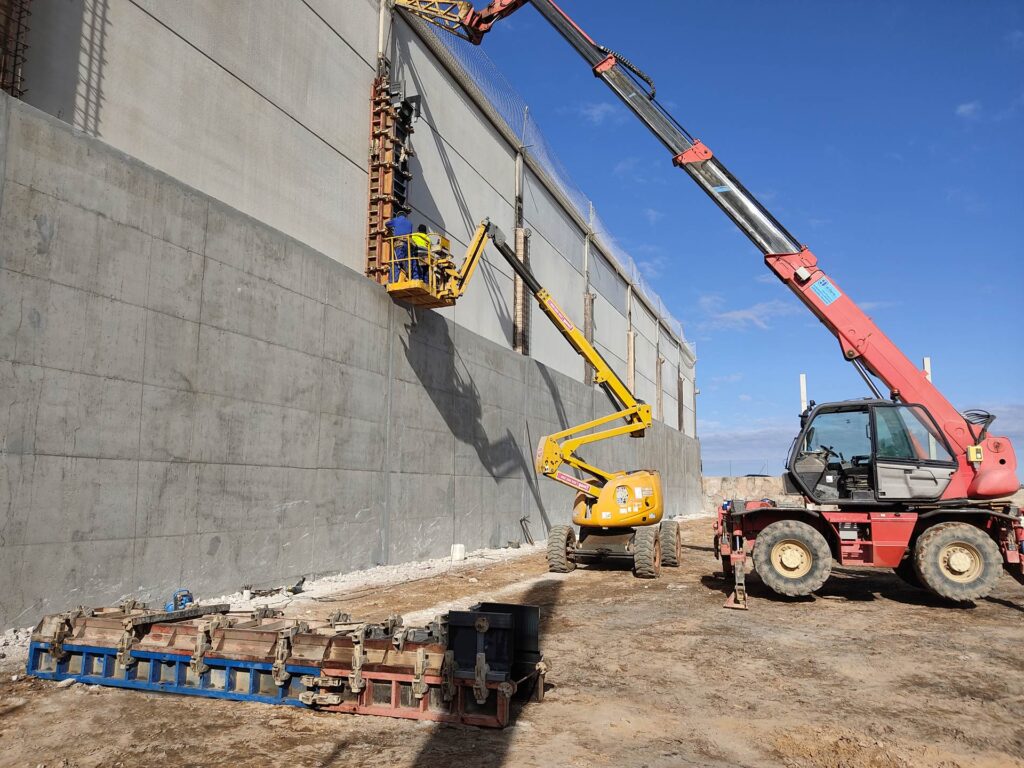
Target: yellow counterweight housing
x: 628, y: 500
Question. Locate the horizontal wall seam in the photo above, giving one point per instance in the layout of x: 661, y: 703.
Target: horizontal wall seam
x: 252, y: 88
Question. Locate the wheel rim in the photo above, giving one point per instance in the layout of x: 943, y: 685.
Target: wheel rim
x: 792, y: 558
x: 961, y: 562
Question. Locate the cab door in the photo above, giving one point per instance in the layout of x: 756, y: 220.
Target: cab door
x: 912, y: 461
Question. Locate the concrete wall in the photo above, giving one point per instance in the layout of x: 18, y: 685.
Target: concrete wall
x: 189, y: 397
x: 264, y: 106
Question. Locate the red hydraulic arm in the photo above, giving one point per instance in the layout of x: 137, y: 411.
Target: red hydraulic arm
x: 987, y: 464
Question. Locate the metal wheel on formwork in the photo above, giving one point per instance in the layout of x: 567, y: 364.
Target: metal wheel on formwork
x: 671, y: 544
x: 957, y: 561
x: 561, y: 544
x: 792, y: 558
x: 647, y: 552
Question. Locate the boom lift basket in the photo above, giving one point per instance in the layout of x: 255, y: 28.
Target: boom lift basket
x: 421, y: 277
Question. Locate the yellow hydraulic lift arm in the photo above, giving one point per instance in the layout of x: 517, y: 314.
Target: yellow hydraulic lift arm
x: 560, y: 448
x: 610, y: 500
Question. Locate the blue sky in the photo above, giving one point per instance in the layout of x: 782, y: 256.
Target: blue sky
x: 887, y: 136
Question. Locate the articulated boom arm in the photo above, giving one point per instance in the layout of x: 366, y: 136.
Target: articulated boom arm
x: 561, y: 447
x: 987, y: 464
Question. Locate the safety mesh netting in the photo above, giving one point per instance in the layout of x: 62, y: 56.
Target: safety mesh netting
x: 513, y: 110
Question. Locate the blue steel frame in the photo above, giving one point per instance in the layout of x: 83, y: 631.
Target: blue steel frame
x: 99, y: 667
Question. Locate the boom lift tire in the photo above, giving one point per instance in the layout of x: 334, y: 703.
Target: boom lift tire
x: 792, y: 558
x: 561, y: 540
x: 957, y: 561
x: 671, y: 544
x: 647, y: 552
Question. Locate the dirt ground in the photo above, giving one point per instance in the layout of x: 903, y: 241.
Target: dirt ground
x: 869, y: 673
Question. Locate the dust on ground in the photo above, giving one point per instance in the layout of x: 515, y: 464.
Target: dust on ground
x: 870, y: 673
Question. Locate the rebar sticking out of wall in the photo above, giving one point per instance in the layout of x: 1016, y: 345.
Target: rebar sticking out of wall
x: 13, y: 32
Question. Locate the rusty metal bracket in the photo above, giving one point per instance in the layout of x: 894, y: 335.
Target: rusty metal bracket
x: 355, y: 677
x: 204, y: 642
x: 65, y: 626
x: 480, y: 672
x: 448, y: 676
x: 314, y: 699
x: 419, y: 671
x: 283, y: 652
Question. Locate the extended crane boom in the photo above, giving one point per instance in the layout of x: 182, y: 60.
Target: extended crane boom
x: 986, y: 465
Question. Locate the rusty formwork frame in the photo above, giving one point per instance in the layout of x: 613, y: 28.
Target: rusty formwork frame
x: 389, y: 175
x: 13, y: 30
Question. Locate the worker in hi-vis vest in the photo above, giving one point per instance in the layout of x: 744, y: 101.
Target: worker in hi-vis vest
x: 420, y: 249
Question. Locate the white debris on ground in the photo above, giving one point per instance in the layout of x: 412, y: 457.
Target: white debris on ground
x: 14, y: 646
x: 381, y: 576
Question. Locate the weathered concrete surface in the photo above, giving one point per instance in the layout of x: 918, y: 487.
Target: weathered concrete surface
x: 189, y: 397
x: 266, y: 109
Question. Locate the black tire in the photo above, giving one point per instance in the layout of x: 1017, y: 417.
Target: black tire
x: 671, y: 544
x: 908, y: 573
x: 647, y: 552
x: 792, y: 558
x: 561, y: 540
x: 957, y: 561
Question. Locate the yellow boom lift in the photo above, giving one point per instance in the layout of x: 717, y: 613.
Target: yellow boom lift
x: 619, y: 513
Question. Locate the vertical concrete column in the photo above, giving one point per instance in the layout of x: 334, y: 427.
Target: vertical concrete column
x: 630, y: 341
x: 660, y: 397
x: 520, y: 301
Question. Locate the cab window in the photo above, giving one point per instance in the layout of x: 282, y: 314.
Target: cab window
x: 844, y: 432
x: 905, y: 432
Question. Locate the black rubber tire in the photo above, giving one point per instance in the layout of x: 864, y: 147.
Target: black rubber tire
x: 907, y: 573
x: 811, y: 539
x: 647, y: 552
x: 671, y: 544
x: 928, y: 553
x: 561, y: 539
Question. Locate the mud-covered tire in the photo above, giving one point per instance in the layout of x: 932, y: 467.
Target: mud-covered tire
x: 792, y: 558
x: 671, y: 544
x: 647, y: 552
x: 957, y: 561
x: 907, y: 573
x: 561, y: 539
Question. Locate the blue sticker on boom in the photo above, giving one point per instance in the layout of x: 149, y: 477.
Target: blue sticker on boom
x: 825, y: 290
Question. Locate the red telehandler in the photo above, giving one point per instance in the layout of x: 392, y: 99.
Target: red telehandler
x: 902, y: 481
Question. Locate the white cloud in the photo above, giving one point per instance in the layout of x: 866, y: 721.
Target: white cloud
x: 758, y: 315
x: 745, y: 398
x: 1015, y: 39
x: 653, y: 216
x: 730, y: 378
x: 597, y: 112
x: 626, y: 166
x: 871, y: 306
x: 768, y: 278
x: 970, y: 110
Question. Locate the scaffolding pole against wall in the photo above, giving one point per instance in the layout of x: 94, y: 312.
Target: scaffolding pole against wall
x: 14, y: 16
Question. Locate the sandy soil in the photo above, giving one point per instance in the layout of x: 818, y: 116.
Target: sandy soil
x: 870, y: 673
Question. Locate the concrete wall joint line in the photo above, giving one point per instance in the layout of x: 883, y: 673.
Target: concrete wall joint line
x: 337, y: 34
x: 267, y: 99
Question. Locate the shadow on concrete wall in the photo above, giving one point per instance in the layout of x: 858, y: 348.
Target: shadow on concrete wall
x: 67, y: 55
x: 432, y: 355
